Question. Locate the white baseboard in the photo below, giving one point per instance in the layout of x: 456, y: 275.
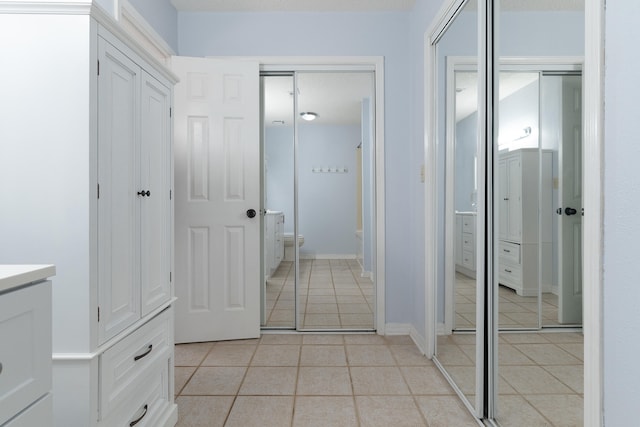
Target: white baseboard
x: 327, y: 256
x: 397, y: 329
x: 419, y: 340
x: 441, y: 329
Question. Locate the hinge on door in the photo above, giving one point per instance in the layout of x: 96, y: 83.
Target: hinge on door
x: 98, y: 67
x: 98, y: 313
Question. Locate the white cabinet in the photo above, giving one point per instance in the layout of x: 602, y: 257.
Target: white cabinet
x: 519, y: 210
x: 91, y: 191
x: 465, y: 245
x: 25, y: 352
x: 273, y: 241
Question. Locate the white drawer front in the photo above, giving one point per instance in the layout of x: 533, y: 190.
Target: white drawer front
x: 25, y: 347
x: 468, y: 260
x: 509, y: 251
x: 468, y: 242
x: 124, y: 363
x: 40, y: 414
x: 510, y: 274
x: 144, y: 403
x: 468, y: 223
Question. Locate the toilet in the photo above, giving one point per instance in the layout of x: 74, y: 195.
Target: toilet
x: 289, y: 252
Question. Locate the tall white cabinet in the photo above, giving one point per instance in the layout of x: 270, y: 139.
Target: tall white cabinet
x: 86, y: 167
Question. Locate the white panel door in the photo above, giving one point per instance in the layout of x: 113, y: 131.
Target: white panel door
x: 155, y: 178
x: 217, y: 181
x: 570, y: 225
x: 514, y: 210
x: 118, y: 203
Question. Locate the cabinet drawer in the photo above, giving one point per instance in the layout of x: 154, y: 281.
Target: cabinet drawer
x: 39, y: 414
x: 25, y: 348
x: 147, y: 400
x: 510, y: 274
x: 468, y: 260
x: 468, y: 223
x: 468, y: 243
x: 509, y: 251
x: 123, y: 364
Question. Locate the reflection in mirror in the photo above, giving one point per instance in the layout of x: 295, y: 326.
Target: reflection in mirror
x: 538, y: 246
x: 457, y: 124
x: 335, y: 200
x: 278, y: 293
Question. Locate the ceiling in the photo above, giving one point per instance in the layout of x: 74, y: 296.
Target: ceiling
x: 292, y: 5
x: 335, y: 97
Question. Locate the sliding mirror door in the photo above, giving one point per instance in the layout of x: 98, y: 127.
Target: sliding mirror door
x: 335, y: 145
x: 279, y: 268
x: 457, y: 126
x: 537, y: 170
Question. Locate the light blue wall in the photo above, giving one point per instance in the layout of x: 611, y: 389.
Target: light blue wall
x: 327, y: 200
x: 278, y: 147
x: 621, y: 289
x: 316, y: 34
x: 367, y: 123
x: 162, y: 16
x: 466, y: 147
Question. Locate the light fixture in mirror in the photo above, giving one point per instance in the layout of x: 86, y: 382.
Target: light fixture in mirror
x: 308, y: 115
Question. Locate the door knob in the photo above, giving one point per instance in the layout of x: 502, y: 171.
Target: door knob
x: 251, y: 213
x: 570, y: 211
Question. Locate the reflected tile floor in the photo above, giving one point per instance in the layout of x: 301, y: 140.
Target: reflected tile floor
x: 332, y: 296
x: 541, y: 376
x: 300, y: 380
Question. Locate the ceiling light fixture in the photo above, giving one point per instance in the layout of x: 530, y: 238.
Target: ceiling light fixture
x: 308, y: 115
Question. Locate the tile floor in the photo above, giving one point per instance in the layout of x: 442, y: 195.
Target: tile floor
x: 515, y: 311
x: 332, y: 296
x: 313, y: 380
x: 541, y: 376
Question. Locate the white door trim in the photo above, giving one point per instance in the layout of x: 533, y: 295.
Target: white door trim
x: 593, y: 114
x: 351, y: 63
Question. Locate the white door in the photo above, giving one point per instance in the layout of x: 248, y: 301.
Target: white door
x: 570, y: 225
x: 217, y: 184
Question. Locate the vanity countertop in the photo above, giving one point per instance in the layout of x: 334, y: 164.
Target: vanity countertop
x: 12, y: 276
x: 466, y: 213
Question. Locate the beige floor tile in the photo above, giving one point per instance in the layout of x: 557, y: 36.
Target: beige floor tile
x: 385, y: 411
x: 321, y: 320
x: 575, y: 349
x: 452, y: 355
x: 565, y: 337
x: 513, y: 355
x: 398, y: 340
x: 467, y: 339
x: 369, y: 355
x: 351, y: 299
x: 572, y: 375
x: 409, y: 355
x: 281, y: 339
x: 321, y: 299
x: 364, y: 339
x: 532, y: 380
x: 260, y: 411
x: 321, y: 308
x: 547, y: 354
x: 203, y: 411
x: 280, y: 316
x: 445, y: 411
x: 324, y: 411
x: 191, y: 354
x: 464, y: 377
x: 378, y: 381
x: 321, y: 339
x: 561, y: 410
x: 525, y: 338
x: 323, y: 355
x: 276, y: 355
x: 269, y: 381
x: 322, y: 291
x: 354, y: 308
x: 229, y: 355
x: 215, y: 381
x: 426, y: 380
x: 324, y: 381
x: 515, y: 411
x: 358, y: 320
x: 181, y: 376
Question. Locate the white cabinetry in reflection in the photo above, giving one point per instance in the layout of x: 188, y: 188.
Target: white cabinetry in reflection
x: 91, y: 192
x: 465, y: 245
x: 519, y: 210
x: 273, y: 241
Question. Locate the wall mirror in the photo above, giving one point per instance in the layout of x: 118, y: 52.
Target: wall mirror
x: 318, y: 195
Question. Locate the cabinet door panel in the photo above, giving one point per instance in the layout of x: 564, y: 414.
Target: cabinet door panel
x: 155, y: 175
x: 503, y: 200
x: 118, y: 202
x: 514, y: 177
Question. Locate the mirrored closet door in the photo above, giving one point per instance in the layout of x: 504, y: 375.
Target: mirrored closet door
x: 318, y: 193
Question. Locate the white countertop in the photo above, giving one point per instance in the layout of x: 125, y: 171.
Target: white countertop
x: 12, y: 276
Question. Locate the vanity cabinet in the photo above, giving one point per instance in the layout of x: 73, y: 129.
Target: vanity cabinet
x: 519, y: 210
x: 274, y: 241
x: 91, y: 191
x: 465, y: 245
x: 25, y: 353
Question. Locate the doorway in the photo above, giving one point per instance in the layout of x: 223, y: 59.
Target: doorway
x: 318, y: 195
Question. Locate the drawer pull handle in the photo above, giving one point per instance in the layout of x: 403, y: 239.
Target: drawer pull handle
x: 507, y: 270
x: 140, y: 356
x: 144, y: 412
x: 507, y: 251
